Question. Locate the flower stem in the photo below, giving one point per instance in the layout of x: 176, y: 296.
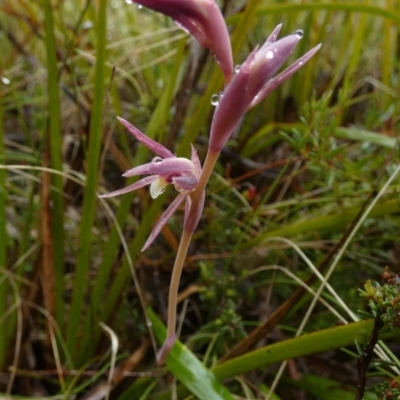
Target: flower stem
x: 186, y: 238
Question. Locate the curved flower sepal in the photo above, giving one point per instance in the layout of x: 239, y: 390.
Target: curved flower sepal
x: 254, y: 80
x: 182, y: 173
x: 202, y: 19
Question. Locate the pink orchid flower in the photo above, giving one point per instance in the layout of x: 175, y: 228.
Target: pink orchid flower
x: 202, y: 19
x: 166, y: 169
x: 253, y: 81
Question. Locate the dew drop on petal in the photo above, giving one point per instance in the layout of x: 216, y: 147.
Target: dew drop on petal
x: 156, y: 160
x: 299, y: 33
x: 5, y: 80
x: 300, y: 63
x: 270, y: 55
x: 237, y: 68
x: 215, y: 99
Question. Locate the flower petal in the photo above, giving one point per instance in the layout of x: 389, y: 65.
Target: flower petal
x: 186, y: 183
x: 202, y: 19
x: 137, y: 185
x: 268, y: 60
x: 273, y: 36
x: 285, y: 74
x: 162, y: 167
x: 158, y: 187
x: 196, y: 163
x: 192, y: 218
x: 164, y: 219
x: 149, y: 143
x: 231, y: 106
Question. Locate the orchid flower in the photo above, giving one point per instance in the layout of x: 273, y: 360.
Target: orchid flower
x: 202, y: 19
x: 253, y: 81
x: 163, y: 170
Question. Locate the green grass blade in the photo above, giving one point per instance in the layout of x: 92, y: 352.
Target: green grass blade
x: 3, y: 242
x: 324, y: 340
x: 328, y: 222
x: 156, y: 126
x: 188, y: 369
x: 328, y: 389
x: 90, y: 199
x: 56, y: 161
x: 350, y: 7
x: 361, y: 135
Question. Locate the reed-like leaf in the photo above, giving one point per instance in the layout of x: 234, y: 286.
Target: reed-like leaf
x: 90, y: 199
x: 55, y: 139
x: 3, y: 245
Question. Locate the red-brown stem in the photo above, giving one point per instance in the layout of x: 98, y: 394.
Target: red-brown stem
x: 186, y: 238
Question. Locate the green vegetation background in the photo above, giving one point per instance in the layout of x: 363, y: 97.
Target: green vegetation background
x: 311, y: 175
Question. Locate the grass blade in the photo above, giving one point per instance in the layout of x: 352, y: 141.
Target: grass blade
x: 188, y: 368
x: 55, y: 161
x: 90, y: 199
x: 3, y: 242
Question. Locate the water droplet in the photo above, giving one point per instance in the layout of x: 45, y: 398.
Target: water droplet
x: 5, y: 80
x: 157, y: 160
x: 301, y: 63
x: 221, y: 94
x: 87, y: 25
x: 237, y: 68
x: 215, y: 99
x: 139, y: 6
x: 128, y: 1
x: 270, y: 55
x: 148, y: 323
x: 299, y: 33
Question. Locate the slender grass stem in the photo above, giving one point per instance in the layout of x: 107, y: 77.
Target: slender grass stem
x: 3, y: 244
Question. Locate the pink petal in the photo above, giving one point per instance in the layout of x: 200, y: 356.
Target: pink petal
x: 162, y: 167
x: 231, y: 106
x: 196, y: 162
x: 137, y: 185
x: 279, y: 79
x: 268, y: 60
x: 273, y: 36
x: 204, y: 20
x: 164, y: 219
x: 149, y: 143
x: 192, y: 217
x: 187, y: 183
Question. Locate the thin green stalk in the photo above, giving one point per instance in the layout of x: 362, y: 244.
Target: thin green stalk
x: 3, y: 242
x: 355, y: 7
x: 90, y: 199
x: 56, y: 161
